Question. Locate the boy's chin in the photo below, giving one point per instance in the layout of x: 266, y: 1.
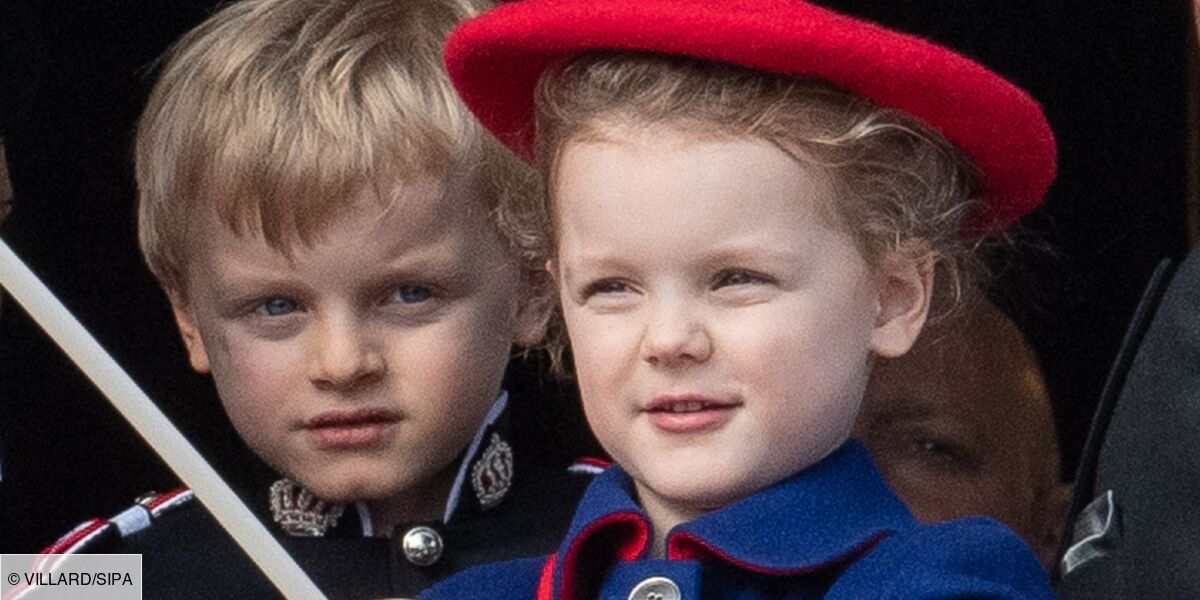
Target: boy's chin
x: 346, y: 491
x: 414, y: 495
x: 346, y: 486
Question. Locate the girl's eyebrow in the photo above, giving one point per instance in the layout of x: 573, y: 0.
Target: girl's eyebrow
x: 759, y: 252
x: 569, y: 276
x: 589, y: 262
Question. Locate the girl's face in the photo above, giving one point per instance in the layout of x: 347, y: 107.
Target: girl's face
x: 722, y: 329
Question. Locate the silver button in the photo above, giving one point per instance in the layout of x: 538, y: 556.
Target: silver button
x: 656, y: 588
x: 422, y: 546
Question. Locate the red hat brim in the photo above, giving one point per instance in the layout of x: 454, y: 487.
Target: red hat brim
x: 495, y: 61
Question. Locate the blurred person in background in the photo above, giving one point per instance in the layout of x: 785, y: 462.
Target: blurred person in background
x: 962, y: 425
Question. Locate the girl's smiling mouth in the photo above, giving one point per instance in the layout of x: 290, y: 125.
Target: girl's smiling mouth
x: 689, y: 413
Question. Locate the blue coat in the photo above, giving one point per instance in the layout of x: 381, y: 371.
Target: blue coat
x: 833, y: 531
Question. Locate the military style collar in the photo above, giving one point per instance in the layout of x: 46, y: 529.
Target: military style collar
x: 484, y: 478
x: 494, y: 514
x: 820, y: 518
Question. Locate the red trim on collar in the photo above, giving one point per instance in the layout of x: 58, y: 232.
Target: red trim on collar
x: 545, y: 588
x: 630, y: 549
x: 685, y: 546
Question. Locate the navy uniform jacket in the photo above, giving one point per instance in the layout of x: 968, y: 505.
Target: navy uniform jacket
x: 186, y: 554
x: 833, y: 531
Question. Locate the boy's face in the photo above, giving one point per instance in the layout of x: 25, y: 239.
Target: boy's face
x: 721, y: 329
x: 361, y: 366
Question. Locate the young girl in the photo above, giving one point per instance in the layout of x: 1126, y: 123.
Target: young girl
x: 748, y: 202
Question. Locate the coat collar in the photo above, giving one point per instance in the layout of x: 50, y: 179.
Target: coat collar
x: 819, y: 518
x: 484, y: 478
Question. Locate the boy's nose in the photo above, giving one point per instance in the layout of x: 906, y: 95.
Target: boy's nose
x: 675, y: 335
x: 344, y: 357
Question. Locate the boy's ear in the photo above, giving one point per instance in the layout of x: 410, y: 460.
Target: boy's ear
x: 197, y: 356
x: 533, y: 313
x: 905, y: 292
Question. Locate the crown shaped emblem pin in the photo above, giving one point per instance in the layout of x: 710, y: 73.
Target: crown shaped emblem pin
x: 299, y: 512
x: 493, y: 472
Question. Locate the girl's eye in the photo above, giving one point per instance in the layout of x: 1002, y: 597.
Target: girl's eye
x: 606, y: 286
x: 738, y: 277
x: 411, y: 294
x: 276, y: 307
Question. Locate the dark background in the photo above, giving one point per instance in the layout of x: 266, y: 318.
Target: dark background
x: 73, y: 77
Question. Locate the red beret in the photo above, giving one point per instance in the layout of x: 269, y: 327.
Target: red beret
x: 496, y: 59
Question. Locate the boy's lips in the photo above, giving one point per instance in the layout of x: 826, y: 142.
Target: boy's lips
x: 689, y: 413
x: 348, y: 429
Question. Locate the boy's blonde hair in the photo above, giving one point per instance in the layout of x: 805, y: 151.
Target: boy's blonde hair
x: 276, y: 113
x: 896, y: 182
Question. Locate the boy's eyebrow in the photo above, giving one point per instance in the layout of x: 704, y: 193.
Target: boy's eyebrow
x: 251, y: 282
x: 454, y: 271
x: 250, y: 285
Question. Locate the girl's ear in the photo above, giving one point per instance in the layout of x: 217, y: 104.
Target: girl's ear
x: 190, y: 333
x: 905, y: 292
x: 537, y: 303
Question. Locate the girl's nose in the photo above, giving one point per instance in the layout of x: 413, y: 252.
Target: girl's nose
x: 675, y: 335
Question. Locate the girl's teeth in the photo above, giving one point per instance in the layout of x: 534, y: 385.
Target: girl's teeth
x: 686, y: 407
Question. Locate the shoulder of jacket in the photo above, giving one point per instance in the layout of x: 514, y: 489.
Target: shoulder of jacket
x: 973, y: 557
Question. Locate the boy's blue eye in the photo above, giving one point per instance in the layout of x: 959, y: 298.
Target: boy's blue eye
x: 276, y: 307
x: 411, y: 294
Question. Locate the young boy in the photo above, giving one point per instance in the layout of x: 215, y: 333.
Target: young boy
x: 747, y: 203
x: 320, y: 210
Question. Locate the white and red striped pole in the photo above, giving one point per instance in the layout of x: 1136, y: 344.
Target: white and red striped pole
x: 154, y: 427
